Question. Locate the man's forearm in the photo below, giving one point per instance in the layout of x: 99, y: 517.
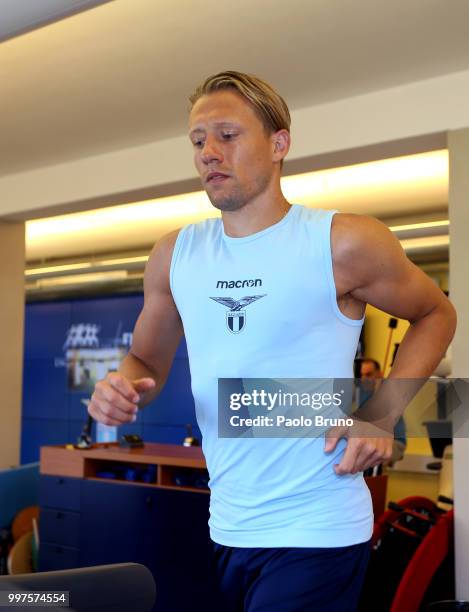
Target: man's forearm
x: 132, y: 368
x: 425, y: 344
x: 422, y: 349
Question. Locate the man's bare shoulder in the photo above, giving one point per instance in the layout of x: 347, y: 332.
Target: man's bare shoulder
x: 158, y: 328
x: 371, y: 266
x: 357, y: 238
x: 355, y: 232
x: 165, y: 245
x: 159, y: 261
x: 362, y: 249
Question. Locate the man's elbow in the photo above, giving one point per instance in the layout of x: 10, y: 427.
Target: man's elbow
x: 446, y: 319
x: 443, y: 317
x: 451, y: 317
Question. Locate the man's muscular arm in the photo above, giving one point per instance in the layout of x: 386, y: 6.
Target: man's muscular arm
x: 156, y: 336
x: 371, y: 267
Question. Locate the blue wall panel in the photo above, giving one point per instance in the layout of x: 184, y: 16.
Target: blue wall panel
x: 44, y: 390
x: 45, y: 327
x: 41, y: 432
x: 75, y: 428
x: 175, y: 404
x: 77, y: 410
x: 168, y: 434
x: 114, y: 315
x: 181, y: 350
x: 52, y: 410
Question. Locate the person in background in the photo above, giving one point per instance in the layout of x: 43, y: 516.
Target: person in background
x: 370, y: 379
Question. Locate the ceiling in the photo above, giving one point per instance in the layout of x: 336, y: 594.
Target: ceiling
x: 20, y: 17
x: 119, y: 75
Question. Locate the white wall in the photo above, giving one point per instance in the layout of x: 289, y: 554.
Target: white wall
x: 458, y: 146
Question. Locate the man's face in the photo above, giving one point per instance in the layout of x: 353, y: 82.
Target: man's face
x: 369, y: 374
x: 369, y: 370
x: 232, y: 152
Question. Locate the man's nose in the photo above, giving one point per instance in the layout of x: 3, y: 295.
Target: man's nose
x: 210, y: 151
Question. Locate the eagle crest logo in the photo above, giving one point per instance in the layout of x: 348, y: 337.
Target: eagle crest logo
x: 236, y: 317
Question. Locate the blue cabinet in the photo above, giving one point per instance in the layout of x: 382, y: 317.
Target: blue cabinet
x: 177, y: 549
x: 112, y: 522
x: 60, y: 492
x: 60, y: 527
x: 59, y: 523
x: 57, y: 557
x: 91, y: 522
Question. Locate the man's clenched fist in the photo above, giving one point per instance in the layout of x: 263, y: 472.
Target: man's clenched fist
x: 115, y: 398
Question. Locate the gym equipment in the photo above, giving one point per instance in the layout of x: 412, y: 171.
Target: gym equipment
x: 118, y: 587
x: 448, y: 605
x: 411, y: 558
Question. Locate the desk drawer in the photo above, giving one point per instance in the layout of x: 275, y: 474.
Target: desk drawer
x: 59, y: 492
x: 59, y: 527
x: 56, y: 557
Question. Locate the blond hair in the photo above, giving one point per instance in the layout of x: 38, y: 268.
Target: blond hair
x: 269, y: 106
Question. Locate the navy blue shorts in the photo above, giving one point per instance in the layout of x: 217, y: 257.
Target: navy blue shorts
x: 290, y: 579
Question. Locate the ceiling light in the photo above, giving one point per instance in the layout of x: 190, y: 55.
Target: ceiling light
x: 370, y: 188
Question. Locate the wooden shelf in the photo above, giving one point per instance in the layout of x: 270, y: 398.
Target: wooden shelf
x: 189, y: 489
x: 126, y: 482
x: 169, y: 460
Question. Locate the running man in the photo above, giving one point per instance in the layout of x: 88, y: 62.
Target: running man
x: 290, y: 519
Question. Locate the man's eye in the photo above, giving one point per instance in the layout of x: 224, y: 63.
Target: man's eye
x: 198, y: 143
x: 228, y: 136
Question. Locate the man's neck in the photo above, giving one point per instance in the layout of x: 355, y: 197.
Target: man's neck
x: 254, y: 217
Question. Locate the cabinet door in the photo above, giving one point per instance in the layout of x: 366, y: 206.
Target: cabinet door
x: 58, y: 526
x: 57, y: 557
x: 176, y: 548
x: 111, y: 522
x: 165, y: 530
x: 59, y: 492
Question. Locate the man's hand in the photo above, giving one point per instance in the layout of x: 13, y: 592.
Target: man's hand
x: 115, y: 399
x: 367, y: 446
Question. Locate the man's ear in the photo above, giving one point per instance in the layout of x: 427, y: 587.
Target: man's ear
x: 281, y: 144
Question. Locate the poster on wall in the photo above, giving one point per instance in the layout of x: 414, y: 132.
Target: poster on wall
x: 89, y: 357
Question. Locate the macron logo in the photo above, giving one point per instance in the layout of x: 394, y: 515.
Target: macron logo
x: 239, y: 284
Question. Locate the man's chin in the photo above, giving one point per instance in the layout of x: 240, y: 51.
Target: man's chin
x: 225, y: 204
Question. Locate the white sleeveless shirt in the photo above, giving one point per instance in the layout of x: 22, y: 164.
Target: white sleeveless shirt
x: 264, y: 306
